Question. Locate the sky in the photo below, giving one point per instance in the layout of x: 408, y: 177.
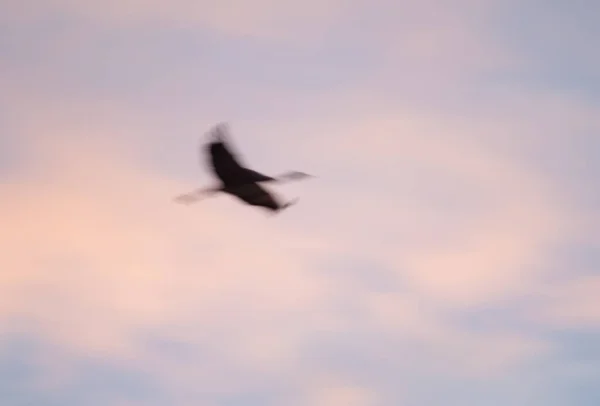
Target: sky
x: 447, y: 252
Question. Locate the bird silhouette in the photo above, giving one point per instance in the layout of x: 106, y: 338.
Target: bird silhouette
x: 235, y: 178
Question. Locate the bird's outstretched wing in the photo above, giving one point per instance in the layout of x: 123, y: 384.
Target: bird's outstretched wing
x: 224, y: 162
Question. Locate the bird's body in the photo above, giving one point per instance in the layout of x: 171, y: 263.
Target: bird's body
x: 236, y: 179
x: 254, y: 195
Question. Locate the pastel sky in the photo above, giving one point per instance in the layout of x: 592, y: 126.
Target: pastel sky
x: 447, y: 254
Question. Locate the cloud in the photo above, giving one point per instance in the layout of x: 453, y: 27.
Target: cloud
x: 453, y: 219
x: 100, y: 260
x: 263, y: 19
x: 430, y: 206
x: 572, y: 304
x: 95, y: 247
x: 331, y: 395
x: 445, y: 36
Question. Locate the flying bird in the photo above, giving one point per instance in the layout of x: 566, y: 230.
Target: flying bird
x: 235, y: 178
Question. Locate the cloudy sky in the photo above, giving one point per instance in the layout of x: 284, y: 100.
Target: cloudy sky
x: 447, y: 254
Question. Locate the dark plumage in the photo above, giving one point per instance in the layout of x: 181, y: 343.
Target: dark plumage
x: 236, y: 179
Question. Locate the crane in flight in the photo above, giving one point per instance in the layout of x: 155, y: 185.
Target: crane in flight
x: 235, y: 178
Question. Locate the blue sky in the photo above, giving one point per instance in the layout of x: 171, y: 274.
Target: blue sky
x: 446, y: 253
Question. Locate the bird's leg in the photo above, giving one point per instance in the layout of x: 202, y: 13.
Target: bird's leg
x: 290, y: 203
x: 282, y: 207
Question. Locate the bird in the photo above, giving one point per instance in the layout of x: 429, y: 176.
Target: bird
x: 236, y: 179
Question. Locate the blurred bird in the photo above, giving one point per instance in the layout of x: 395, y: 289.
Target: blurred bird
x: 236, y: 179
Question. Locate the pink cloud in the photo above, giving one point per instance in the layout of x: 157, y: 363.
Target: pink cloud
x: 95, y: 253
x: 488, y: 244
x: 330, y: 394
x: 98, y: 251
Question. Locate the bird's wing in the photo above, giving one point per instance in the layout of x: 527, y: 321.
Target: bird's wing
x: 254, y: 176
x: 221, y: 157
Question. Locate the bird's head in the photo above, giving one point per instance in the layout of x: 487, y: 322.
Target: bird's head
x: 295, y: 175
